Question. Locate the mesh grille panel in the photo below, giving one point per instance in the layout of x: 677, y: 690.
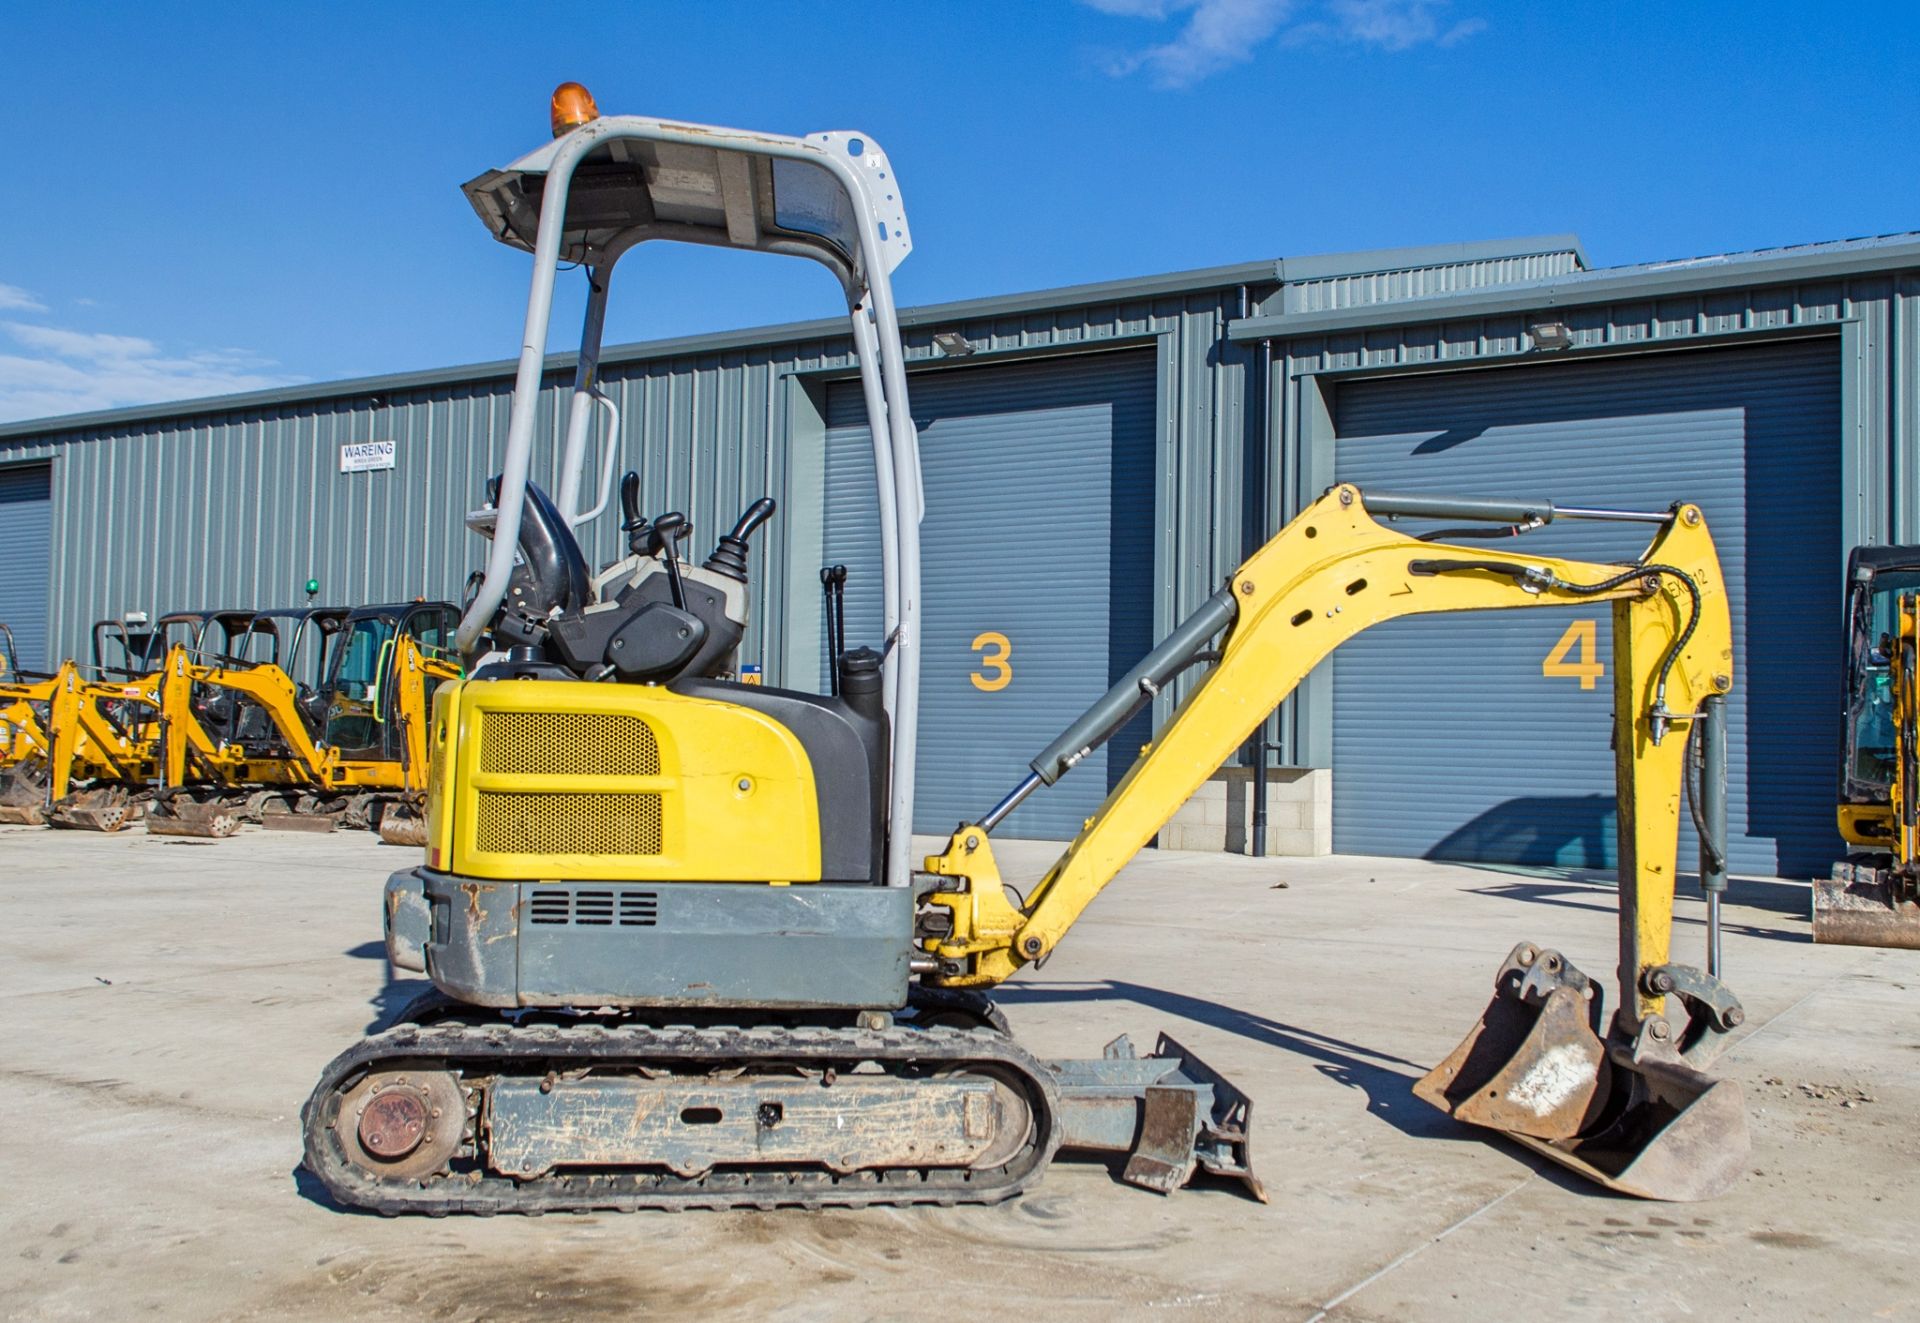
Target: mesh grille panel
x: 545, y: 743
x: 568, y: 824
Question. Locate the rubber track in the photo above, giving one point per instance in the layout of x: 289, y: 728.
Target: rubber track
x: 532, y: 1050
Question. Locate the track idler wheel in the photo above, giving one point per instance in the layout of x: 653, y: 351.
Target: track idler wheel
x: 402, y: 1124
x: 1635, y: 1116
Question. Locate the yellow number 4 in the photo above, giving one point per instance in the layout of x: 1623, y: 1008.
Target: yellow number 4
x: 995, y: 650
x: 1581, y: 634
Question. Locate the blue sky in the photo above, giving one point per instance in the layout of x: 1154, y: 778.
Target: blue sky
x: 217, y: 197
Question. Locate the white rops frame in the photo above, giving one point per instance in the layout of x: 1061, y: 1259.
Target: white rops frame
x: 831, y: 197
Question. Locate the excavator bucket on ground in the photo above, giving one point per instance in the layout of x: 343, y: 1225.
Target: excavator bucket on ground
x: 23, y: 795
x: 105, y: 808
x: 1639, y: 1120
x: 1861, y: 905
x: 403, y: 824
x: 183, y: 815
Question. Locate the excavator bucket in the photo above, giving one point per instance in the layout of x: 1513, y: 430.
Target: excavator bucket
x: 23, y: 797
x: 1639, y: 1119
x: 208, y: 819
x: 102, y: 808
x: 403, y: 824
x: 1860, y: 906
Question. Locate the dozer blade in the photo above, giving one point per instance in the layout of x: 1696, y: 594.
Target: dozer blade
x: 200, y: 819
x: 1637, y: 1119
x: 1860, y: 906
x: 107, y: 809
x: 297, y: 821
x: 1168, y: 1112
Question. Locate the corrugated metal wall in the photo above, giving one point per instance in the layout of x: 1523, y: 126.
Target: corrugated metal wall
x: 26, y: 528
x: 1454, y: 740
x: 1876, y: 320
x: 1032, y: 479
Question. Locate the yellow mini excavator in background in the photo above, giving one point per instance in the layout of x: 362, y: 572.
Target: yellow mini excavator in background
x: 315, y: 718
x: 1873, y: 895
x: 681, y: 952
x: 237, y: 735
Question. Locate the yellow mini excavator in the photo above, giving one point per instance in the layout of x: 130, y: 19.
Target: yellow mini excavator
x: 314, y: 718
x: 1873, y: 895
x: 681, y: 952
x: 239, y: 719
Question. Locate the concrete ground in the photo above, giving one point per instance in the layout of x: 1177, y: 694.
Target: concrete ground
x: 169, y: 1004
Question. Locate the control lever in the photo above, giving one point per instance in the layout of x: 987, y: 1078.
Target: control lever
x: 668, y: 529
x: 635, y: 524
x: 730, y: 555
x: 833, y: 582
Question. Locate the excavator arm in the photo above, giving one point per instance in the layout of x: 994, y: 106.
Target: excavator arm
x: 1332, y: 572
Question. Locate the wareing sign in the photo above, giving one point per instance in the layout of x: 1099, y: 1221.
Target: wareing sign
x: 366, y: 456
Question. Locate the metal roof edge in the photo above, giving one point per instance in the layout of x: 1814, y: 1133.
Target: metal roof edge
x: 1606, y: 285
x: 1325, y: 266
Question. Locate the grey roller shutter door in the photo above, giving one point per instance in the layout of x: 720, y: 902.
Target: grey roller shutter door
x: 1450, y: 742
x: 26, y: 530
x: 1030, y: 471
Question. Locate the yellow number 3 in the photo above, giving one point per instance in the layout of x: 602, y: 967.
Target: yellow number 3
x: 1581, y: 634
x: 995, y: 649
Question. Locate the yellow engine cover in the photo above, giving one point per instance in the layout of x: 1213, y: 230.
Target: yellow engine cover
x: 564, y: 780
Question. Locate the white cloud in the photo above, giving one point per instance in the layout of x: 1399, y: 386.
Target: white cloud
x: 1397, y: 25
x: 60, y: 371
x: 1220, y: 33
x: 15, y: 299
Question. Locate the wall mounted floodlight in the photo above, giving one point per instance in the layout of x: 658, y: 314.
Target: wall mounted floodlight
x: 953, y: 344
x: 1550, y: 335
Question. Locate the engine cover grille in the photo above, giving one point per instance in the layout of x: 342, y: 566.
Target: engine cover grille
x: 607, y: 824
x: 545, y: 743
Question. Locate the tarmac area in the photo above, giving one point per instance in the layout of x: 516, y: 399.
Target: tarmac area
x: 169, y: 1004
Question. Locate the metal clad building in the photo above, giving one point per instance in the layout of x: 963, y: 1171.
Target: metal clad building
x: 1098, y: 460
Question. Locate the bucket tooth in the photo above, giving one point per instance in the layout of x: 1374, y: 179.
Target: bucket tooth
x: 1636, y: 1117
x: 1861, y: 905
x: 1169, y: 1112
